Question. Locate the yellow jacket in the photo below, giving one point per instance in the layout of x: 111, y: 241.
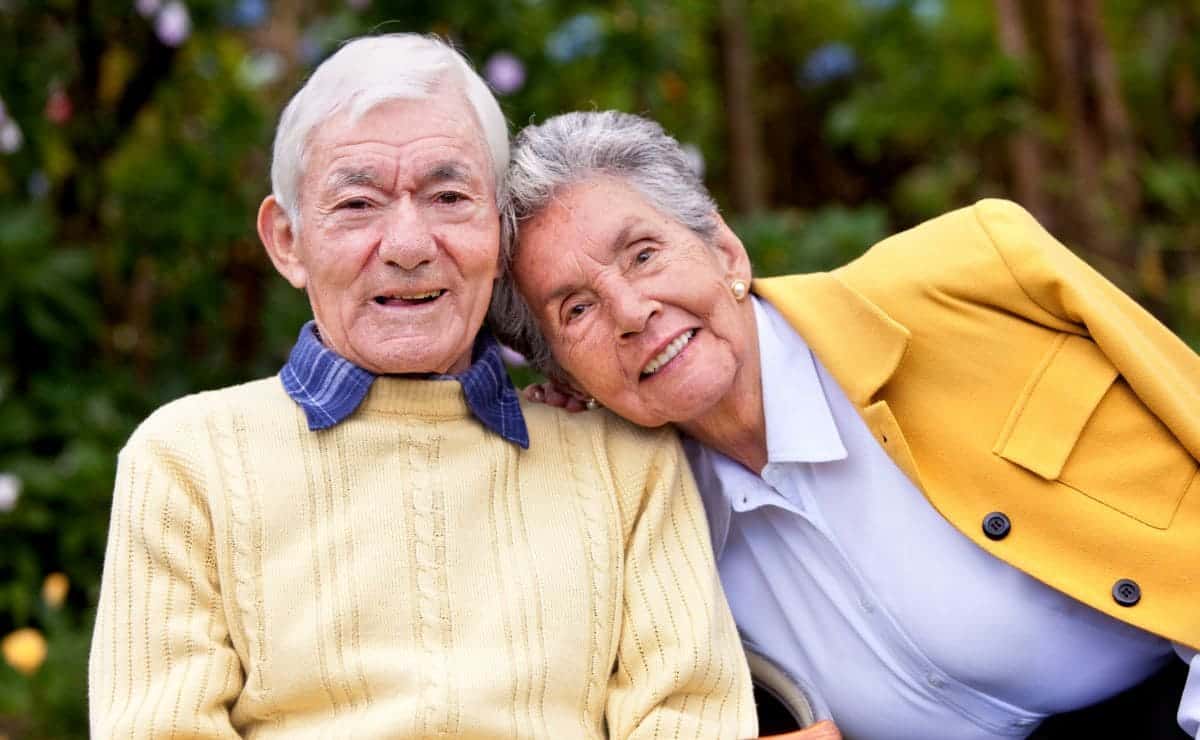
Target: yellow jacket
x: 1003, y: 374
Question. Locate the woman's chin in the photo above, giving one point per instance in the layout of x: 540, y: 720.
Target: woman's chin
x: 672, y: 403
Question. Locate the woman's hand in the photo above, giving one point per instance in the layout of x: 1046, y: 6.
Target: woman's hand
x: 556, y: 394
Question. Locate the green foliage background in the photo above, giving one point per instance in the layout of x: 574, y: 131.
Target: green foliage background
x: 130, y: 273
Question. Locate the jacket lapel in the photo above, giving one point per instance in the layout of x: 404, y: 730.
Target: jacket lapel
x: 857, y: 342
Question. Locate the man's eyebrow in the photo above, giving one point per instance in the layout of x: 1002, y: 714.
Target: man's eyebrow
x: 448, y: 171
x: 345, y: 177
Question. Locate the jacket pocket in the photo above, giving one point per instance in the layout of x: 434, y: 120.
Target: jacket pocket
x: 1078, y: 422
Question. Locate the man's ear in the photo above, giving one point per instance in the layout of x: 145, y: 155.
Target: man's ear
x: 275, y: 231
x: 731, y: 255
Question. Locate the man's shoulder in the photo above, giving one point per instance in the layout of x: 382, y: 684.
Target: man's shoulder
x: 179, y: 421
x: 628, y: 450
x: 548, y: 424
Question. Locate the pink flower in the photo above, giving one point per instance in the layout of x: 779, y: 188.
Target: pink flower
x: 58, y: 107
x: 504, y: 72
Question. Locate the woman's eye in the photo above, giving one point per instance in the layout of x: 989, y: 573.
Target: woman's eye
x: 643, y: 256
x: 576, y: 310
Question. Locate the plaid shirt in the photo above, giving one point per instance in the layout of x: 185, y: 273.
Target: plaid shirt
x: 329, y: 387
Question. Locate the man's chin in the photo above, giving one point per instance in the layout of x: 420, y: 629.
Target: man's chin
x: 419, y: 361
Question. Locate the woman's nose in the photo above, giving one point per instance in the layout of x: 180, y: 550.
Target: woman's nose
x: 632, y: 310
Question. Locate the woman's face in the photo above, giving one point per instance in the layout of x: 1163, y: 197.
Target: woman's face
x: 637, y: 308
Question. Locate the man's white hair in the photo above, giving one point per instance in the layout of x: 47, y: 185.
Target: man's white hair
x: 366, y: 73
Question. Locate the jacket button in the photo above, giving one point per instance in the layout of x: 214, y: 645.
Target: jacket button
x: 1126, y: 592
x: 996, y: 525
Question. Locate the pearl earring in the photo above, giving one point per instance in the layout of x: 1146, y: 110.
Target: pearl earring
x: 739, y: 289
x: 591, y: 404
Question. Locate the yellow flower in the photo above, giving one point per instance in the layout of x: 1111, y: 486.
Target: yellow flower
x: 24, y: 650
x: 54, y: 589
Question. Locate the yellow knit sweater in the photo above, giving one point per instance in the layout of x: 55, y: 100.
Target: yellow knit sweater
x: 408, y: 574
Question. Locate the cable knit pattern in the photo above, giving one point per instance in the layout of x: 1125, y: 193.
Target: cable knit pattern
x: 408, y: 574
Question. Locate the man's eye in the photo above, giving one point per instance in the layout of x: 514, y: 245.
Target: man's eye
x: 354, y: 204
x: 643, y: 256
x: 449, y: 197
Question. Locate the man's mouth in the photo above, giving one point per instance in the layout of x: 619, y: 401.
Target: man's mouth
x: 669, y: 353
x: 409, y: 299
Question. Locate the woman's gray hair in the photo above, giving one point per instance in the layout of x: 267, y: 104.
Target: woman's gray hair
x: 365, y: 73
x: 571, y: 148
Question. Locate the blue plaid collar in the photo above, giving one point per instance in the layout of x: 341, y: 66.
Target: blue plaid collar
x: 329, y: 387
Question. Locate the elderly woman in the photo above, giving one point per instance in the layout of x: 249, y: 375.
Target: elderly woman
x: 952, y: 486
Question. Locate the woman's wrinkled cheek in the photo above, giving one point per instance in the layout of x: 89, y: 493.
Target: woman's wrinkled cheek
x: 575, y: 357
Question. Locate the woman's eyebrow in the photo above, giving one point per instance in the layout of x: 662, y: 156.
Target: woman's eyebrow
x: 615, y: 245
x: 621, y: 239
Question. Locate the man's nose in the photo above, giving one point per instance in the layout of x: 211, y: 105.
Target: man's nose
x: 407, y: 241
x: 631, y: 309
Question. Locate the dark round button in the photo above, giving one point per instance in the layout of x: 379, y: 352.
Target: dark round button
x: 996, y: 525
x: 1127, y: 592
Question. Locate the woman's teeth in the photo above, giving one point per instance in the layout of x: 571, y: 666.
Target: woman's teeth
x: 668, y: 354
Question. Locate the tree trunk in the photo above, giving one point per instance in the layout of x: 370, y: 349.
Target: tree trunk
x: 1120, y: 148
x: 1184, y: 106
x: 745, y: 149
x: 1024, y: 156
x: 1085, y: 200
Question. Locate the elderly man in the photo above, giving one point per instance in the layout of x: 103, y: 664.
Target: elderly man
x: 380, y: 541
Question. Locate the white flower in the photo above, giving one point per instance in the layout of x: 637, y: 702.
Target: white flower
x: 10, y: 137
x: 173, y: 24
x: 10, y: 491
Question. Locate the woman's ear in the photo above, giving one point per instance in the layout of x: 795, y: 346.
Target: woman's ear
x: 279, y: 239
x: 734, y: 261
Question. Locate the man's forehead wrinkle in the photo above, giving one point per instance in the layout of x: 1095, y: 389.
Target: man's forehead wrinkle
x: 453, y: 169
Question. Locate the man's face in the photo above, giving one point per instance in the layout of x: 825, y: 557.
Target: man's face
x: 398, y: 245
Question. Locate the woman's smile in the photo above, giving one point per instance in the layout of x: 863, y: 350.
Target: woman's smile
x: 668, y: 353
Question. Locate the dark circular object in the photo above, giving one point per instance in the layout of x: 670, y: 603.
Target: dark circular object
x: 996, y: 525
x: 1126, y: 592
